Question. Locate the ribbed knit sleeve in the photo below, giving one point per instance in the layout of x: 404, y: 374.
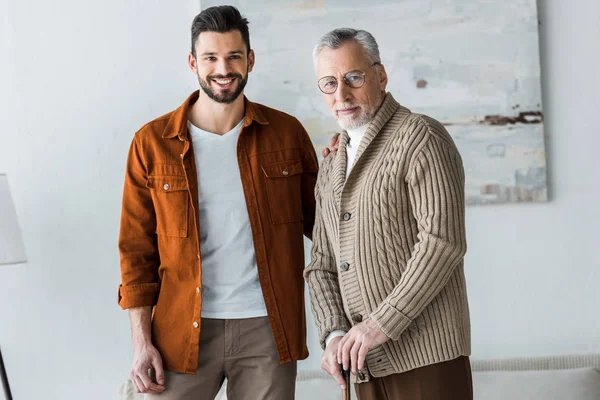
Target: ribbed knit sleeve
x: 436, y: 190
x: 321, y: 275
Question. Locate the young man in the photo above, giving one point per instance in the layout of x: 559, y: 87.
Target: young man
x: 217, y: 197
x: 386, y: 276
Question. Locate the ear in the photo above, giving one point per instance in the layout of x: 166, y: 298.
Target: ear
x: 192, y: 63
x: 383, y: 79
x: 250, y: 60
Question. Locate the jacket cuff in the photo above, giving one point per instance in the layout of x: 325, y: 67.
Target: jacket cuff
x: 145, y: 294
x: 330, y: 325
x: 390, y: 320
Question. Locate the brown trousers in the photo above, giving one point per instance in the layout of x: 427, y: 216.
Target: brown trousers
x: 450, y: 380
x: 241, y: 350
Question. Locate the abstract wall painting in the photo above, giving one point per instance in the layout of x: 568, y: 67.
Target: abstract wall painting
x: 471, y: 64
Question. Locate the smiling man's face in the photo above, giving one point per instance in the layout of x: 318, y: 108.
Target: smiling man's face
x: 352, y: 107
x: 222, y: 64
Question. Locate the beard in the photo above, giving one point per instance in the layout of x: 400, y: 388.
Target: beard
x: 224, y: 96
x: 366, y: 114
x: 352, y: 123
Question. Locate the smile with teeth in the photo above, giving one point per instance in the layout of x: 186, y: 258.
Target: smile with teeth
x: 224, y: 82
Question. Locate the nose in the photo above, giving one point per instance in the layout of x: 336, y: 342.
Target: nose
x: 342, y: 94
x: 221, y: 67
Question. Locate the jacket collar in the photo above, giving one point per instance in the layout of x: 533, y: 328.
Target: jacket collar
x: 383, y: 114
x: 177, y: 125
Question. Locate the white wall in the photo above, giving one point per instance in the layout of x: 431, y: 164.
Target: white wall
x: 78, y: 78
x: 82, y: 77
x: 533, y: 269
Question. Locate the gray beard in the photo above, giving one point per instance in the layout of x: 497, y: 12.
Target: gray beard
x: 364, y: 118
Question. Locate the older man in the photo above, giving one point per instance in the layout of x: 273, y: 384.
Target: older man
x: 386, y: 277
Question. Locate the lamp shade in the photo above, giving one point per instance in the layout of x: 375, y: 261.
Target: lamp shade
x: 11, y: 244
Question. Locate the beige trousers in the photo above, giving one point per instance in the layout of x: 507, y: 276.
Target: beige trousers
x: 241, y: 350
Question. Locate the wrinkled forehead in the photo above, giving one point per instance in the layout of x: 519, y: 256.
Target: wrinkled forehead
x: 350, y: 56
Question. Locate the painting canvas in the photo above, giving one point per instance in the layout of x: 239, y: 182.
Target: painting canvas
x: 471, y: 64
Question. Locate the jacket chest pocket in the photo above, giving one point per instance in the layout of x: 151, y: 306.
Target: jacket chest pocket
x: 284, y: 191
x: 171, y: 201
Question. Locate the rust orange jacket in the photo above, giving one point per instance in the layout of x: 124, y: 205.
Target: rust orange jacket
x: 159, y: 235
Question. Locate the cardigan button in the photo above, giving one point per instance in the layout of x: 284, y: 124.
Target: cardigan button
x: 346, y: 216
x: 361, y: 375
x: 345, y: 266
x: 357, y: 317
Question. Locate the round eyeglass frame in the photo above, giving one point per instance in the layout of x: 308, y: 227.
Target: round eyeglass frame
x: 345, y: 79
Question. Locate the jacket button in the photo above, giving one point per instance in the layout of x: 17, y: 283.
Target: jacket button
x: 345, y: 266
x: 166, y: 186
x: 285, y: 172
x: 195, y: 324
x: 361, y: 375
x: 357, y: 318
x: 346, y: 216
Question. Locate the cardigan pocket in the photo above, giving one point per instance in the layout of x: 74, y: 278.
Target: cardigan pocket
x: 284, y: 191
x: 171, y: 202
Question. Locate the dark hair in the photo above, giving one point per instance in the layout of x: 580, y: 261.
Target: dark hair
x: 220, y: 19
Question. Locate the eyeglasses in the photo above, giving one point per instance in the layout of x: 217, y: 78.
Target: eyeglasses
x: 354, y: 80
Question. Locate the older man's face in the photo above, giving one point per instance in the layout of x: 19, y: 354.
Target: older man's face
x: 352, y: 107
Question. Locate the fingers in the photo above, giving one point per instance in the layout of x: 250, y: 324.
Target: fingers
x: 330, y: 365
x: 336, y: 372
x: 339, y: 349
x: 141, y: 377
x: 159, y: 372
x: 138, y: 384
x: 346, y: 348
x: 362, y: 355
x: 150, y: 387
x: 352, y: 351
x: 354, y: 356
x: 335, y: 142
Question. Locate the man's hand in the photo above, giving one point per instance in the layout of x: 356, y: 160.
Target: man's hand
x: 353, y: 348
x: 330, y: 364
x: 333, y: 145
x: 146, y: 357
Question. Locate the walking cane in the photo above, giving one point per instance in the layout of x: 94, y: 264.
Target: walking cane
x: 346, y: 392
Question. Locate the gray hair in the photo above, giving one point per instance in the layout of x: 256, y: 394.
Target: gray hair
x: 335, y: 38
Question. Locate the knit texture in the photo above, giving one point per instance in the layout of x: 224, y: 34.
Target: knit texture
x: 389, y: 242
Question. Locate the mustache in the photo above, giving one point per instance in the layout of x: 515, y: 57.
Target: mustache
x: 230, y: 75
x: 346, y: 106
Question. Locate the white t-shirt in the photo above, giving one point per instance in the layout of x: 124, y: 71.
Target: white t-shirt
x: 230, y: 285
x: 356, y: 136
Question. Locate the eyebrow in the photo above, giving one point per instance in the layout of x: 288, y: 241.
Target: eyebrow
x: 332, y: 76
x: 214, y: 53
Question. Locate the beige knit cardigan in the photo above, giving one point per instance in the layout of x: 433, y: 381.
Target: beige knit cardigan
x: 389, y: 242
